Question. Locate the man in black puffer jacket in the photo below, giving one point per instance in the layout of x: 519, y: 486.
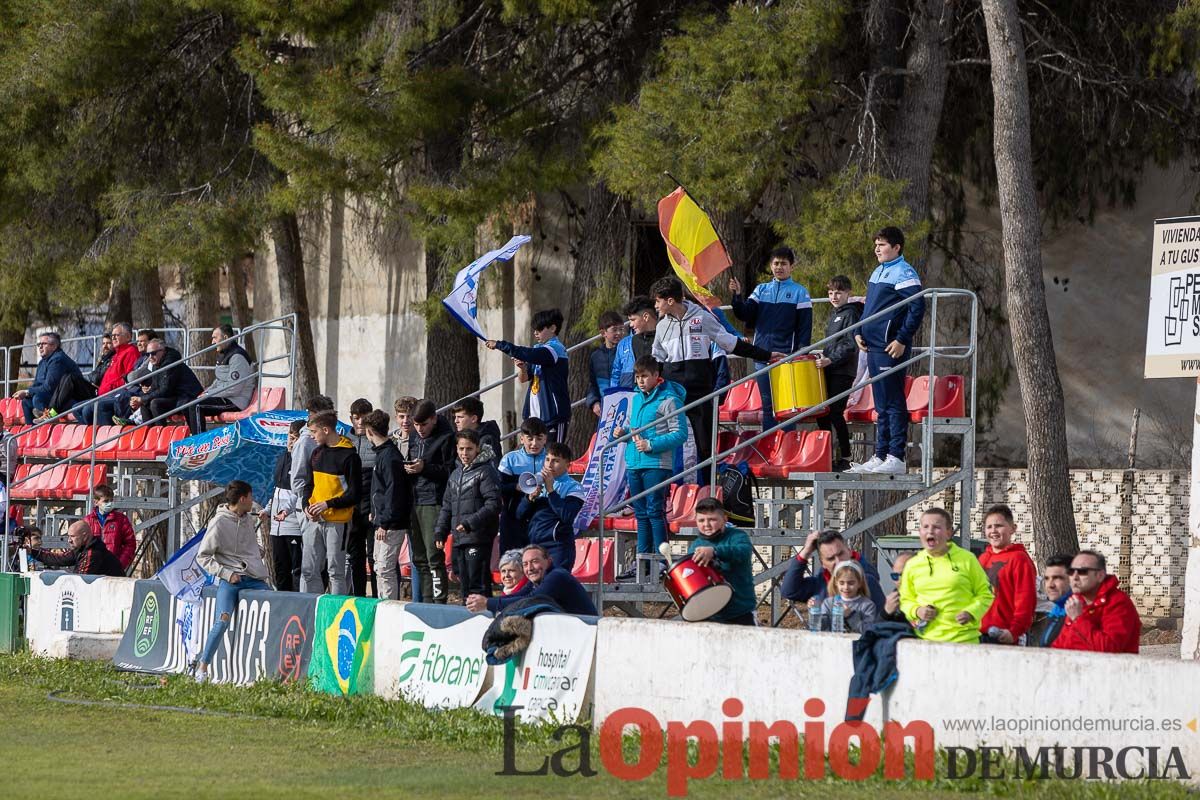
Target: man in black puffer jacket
x: 471, y: 512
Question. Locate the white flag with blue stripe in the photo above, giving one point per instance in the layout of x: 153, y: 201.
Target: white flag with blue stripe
x: 462, y: 302
x: 182, y: 576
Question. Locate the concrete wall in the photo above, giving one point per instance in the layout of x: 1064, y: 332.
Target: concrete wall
x: 774, y: 672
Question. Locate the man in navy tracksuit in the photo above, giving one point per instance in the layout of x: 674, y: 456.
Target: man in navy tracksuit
x: 887, y: 341
x: 780, y: 312
x: 545, y: 369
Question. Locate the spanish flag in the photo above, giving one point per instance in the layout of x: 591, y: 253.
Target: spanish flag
x: 693, y: 246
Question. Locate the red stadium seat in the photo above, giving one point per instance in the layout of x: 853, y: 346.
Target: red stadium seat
x: 760, y: 453
x: 53, y: 483
x: 131, y: 444
x: 106, y: 449
x: 596, y: 563
x: 16, y: 513
x: 168, y: 437
x: 752, y: 413
x: 949, y: 398
x: 787, y: 450
x: 582, y: 548
x: 579, y: 465
x: 49, y: 438
x: 687, y: 516
x: 35, y: 440
x: 269, y: 399
x: 405, y: 558
x: 21, y: 487
x: 737, y: 400
x: 70, y: 440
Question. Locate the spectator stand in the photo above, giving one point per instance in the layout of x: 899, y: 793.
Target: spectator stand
x: 59, y: 463
x: 796, y: 467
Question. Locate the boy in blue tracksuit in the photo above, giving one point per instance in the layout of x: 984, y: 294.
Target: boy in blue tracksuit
x: 650, y: 458
x: 780, y: 312
x: 550, y: 511
x: 887, y: 342
x: 544, y: 367
x: 529, y: 457
x: 600, y: 360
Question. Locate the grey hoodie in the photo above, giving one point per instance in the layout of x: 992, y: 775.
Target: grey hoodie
x: 230, y: 545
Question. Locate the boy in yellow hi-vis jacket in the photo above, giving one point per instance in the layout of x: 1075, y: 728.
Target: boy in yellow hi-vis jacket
x: 332, y: 479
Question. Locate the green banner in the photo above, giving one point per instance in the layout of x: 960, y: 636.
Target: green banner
x: 343, y: 651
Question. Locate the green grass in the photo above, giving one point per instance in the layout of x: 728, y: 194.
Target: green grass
x: 299, y: 744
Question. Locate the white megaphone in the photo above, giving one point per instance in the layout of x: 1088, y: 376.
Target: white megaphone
x: 528, y: 482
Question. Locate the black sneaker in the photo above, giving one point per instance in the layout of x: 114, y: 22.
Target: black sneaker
x: 841, y: 465
x: 629, y: 574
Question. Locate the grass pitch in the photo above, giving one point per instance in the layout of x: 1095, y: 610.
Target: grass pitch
x: 282, y: 741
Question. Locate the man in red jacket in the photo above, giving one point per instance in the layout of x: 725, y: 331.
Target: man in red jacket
x: 125, y: 355
x: 111, y: 527
x: 1013, y: 576
x: 1100, y: 617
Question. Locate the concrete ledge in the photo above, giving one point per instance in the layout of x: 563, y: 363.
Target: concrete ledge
x: 84, y: 646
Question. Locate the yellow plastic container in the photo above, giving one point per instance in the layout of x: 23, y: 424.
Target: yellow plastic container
x: 797, y: 386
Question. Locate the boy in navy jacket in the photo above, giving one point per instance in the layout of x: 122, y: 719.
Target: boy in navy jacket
x: 551, y: 510
x: 544, y: 367
x: 780, y: 312
x: 887, y: 342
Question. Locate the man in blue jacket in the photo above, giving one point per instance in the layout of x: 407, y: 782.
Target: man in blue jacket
x: 780, y: 311
x: 544, y: 368
x: 52, y: 368
x: 887, y: 342
x: 548, y: 580
x: 832, y: 549
x: 550, y: 511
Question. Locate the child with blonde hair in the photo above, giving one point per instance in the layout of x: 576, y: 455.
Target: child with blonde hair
x: 848, y: 588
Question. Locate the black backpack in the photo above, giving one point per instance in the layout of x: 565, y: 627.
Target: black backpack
x: 737, y: 492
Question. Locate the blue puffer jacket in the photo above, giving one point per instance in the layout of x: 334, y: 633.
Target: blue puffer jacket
x: 667, y: 435
x: 890, y: 283
x: 781, y: 313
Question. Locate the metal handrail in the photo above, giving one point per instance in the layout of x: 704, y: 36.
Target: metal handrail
x: 92, y: 338
x: 716, y: 457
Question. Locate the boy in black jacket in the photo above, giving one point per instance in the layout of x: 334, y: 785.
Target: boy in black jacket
x: 391, y: 503
x: 471, y: 512
x: 839, y: 359
x: 429, y: 461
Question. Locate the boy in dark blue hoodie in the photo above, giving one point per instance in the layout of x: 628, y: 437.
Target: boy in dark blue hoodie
x: 544, y: 368
x: 888, y: 342
x: 551, y: 510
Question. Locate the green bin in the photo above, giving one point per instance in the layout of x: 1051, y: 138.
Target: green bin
x: 13, y: 588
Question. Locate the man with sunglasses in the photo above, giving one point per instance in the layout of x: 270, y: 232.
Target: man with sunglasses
x: 1100, y: 617
x: 166, y: 389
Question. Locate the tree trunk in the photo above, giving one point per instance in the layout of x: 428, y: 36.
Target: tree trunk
x: 120, y: 306
x: 146, y: 300
x: 201, y: 306
x: 1053, y: 520
x: 451, y: 351
x: 602, y: 257
x: 293, y: 297
x: 238, y: 300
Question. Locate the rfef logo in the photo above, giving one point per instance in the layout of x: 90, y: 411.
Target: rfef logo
x: 146, y: 626
x: 291, y: 648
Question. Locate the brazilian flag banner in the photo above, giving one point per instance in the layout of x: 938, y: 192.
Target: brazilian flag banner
x: 343, y: 655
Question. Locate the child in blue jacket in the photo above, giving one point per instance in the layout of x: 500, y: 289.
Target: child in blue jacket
x: 650, y: 457
x: 780, y: 312
x: 544, y: 368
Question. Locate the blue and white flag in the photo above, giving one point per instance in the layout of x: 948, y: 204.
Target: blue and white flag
x: 462, y: 302
x: 614, y: 413
x: 182, y: 576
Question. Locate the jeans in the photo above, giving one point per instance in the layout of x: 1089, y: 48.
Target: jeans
x: 387, y: 552
x: 102, y: 410
x: 651, y: 511
x: 227, y: 600
x: 891, y: 429
x: 324, y: 547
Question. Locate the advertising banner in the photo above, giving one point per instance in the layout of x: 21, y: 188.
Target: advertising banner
x: 614, y: 413
x: 430, y: 654
x: 60, y: 602
x: 270, y: 635
x: 343, y: 648
x: 551, y: 680
x: 1173, y: 327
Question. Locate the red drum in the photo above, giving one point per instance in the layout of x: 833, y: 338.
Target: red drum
x: 698, y: 591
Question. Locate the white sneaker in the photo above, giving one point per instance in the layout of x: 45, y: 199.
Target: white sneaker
x: 892, y: 466
x: 201, y: 676
x: 871, y: 465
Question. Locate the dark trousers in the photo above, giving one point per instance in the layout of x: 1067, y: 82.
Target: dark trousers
x: 428, y: 562
x: 164, y: 405
x: 556, y: 432
x: 286, y: 554
x: 835, y: 419
x: 562, y: 554
x: 471, y: 562
x: 358, y: 552
x: 891, y: 429
x: 208, y: 407
x: 71, y: 389
x: 700, y: 421
x: 740, y: 619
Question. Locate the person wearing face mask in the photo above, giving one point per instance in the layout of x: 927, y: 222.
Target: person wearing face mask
x: 112, y: 527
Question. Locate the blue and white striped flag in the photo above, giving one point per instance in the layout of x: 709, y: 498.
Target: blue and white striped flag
x: 462, y: 302
x: 182, y: 576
